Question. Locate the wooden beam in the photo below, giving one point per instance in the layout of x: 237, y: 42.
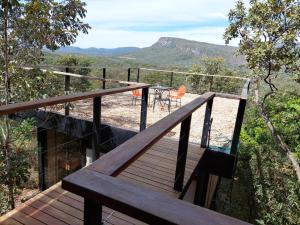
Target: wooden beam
x: 23, y: 106
x: 141, y: 203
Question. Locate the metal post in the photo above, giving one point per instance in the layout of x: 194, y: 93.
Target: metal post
x: 144, y: 105
x: 138, y: 75
x: 128, y: 74
x: 104, y: 77
x: 182, y: 153
x: 206, y: 124
x: 42, y: 152
x: 92, y: 214
x: 67, y: 91
x: 202, y: 179
x: 238, y: 126
x: 171, y: 81
x: 96, y: 127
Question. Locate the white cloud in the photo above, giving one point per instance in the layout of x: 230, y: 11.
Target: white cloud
x: 118, y: 23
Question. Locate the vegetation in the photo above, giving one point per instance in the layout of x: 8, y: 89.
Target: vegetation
x: 268, y: 167
x: 214, y: 66
x: 269, y: 33
x: 26, y: 28
x: 77, y: 65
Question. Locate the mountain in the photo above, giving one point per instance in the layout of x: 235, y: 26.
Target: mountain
x: 97, y: 51
x: 176, y: 51
x: 167, y: 51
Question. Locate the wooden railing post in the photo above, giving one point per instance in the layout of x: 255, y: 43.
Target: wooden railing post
x: 92, y: 214
x: 96, y: 127
x: 144, y: 106
x: 238, y: 126
x: 138, y: 75
x: 171, y: 81
x: 206, y: 124
x: 67, y: 92
x: 128, y: 74
x: 182, y: 153
x: 42, y: 148
x: 104, y: 77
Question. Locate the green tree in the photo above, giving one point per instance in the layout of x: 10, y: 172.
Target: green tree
x: 269, y: 33
x: 26, y: 28
x: 209, y: 66
x: 78, y: 65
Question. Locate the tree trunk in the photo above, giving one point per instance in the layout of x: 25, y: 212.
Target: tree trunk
x: 10, y: 184
x: 11, y: 196
x: 276, y: 136
x: 281, y: 144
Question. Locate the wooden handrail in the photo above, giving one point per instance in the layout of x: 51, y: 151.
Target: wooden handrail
x: 141, y: 203
x: 114, y: 162
x: 98, y: 187
x: 23, y: 106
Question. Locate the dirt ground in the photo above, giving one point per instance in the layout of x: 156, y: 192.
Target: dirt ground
x: 118, y: 110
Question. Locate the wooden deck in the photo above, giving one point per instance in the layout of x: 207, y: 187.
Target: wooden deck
x: 154, y: 170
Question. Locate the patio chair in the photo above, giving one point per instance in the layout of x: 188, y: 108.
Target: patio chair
x: 177, y: 94
x: 135, y: 94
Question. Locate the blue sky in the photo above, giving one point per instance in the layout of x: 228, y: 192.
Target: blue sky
x: 119, y: 23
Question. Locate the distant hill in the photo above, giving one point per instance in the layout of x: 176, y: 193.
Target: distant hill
x: 167, y: 51
x: 97, y: 51
x: 176, y: 51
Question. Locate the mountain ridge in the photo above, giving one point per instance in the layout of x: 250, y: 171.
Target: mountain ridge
x: 167, y: 51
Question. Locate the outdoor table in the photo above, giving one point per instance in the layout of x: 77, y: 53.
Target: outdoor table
x: 158, y: 95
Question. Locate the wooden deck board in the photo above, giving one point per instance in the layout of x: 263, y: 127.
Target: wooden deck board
x: 155, y: 170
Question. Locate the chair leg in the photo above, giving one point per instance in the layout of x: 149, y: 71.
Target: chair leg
x: 132, y: 100
x: 153, y: 103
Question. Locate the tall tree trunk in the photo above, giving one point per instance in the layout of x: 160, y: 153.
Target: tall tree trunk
x: 280, y: 143
x: 276, y: 136
x: 7, y: 94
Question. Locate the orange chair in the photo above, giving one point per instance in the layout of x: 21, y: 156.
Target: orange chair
x: 177, y: 94
x: 135, y: 95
